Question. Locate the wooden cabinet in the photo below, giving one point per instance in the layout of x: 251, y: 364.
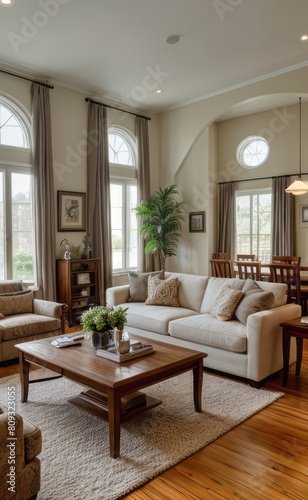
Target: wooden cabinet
x: 78, y: 285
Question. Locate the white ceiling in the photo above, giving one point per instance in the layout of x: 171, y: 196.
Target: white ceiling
x: 117, y: 50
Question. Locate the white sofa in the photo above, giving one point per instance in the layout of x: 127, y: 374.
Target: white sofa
x: 252, y: 351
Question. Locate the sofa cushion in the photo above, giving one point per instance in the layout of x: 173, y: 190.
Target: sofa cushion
x: 138, y: 285
x: 162, y: 292
x: 204, y: 329
x: 25, y: 325
x: 16, y: 304
x: 225, y: 303
x: 154, y: 318
x: 214, y: 287
x: 191, y: 290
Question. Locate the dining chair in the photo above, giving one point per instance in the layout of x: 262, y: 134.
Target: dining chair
x: 286, y: 259
x: 290, y: 275
x: 245, y: 256
x: 219, y: 255
x: 222, y: 268
x: 248, y: 269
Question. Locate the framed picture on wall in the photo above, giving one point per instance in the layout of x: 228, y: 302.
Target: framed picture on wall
x: 303, y: 213
x: 196, y: 222
x: 71, y: 211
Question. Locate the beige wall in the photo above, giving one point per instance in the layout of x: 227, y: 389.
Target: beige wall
x: 196, y: 163
x: 69, y: 131
x: 187, y: 147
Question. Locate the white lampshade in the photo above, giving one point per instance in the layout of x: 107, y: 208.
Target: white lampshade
x: 298, y: 187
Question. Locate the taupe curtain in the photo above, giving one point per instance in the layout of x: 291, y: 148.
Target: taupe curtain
x: 226, y: 219
x: 43, y: 193
x: 98, y: 193
x: 146, y: 262
x: 282, y: 218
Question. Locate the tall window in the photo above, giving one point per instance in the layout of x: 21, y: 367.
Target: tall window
x: 16, y: 238
x: 253, y: 224
x: 123, y: 192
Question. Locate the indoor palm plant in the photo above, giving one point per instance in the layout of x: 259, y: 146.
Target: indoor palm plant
x: 161, y: 222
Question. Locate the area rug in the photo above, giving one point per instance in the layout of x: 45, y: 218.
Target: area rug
x: 75, y: 458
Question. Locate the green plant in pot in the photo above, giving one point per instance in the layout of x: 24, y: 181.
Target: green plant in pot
x: 117, y: 319
x: 96, y: 321
x: 161, y: 218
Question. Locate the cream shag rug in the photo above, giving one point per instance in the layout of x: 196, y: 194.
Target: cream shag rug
x: 75, y: 458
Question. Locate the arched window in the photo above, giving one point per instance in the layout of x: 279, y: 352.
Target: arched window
x: 16, y: 238
x: 123, y: 193
x: 14, y: 126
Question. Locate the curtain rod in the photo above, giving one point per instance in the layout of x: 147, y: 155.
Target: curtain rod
x: 28, y: 79
x: 88, y: 99
x: 259, y: 178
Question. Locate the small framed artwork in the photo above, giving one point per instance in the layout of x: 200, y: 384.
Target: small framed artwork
x: 303, y: 212
x: 196, y: 222
x: 71, y: 211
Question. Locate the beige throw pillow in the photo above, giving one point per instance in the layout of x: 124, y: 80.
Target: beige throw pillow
x: 225, y: 303
x: 254, y: 300
x: 138, y: 285
x: 162, y: 292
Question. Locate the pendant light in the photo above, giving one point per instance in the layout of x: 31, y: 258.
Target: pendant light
x: 299, y: 186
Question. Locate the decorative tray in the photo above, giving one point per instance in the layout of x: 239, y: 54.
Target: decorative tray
x: 110, y: 352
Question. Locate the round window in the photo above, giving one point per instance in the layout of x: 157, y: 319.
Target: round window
x: 252, y: 152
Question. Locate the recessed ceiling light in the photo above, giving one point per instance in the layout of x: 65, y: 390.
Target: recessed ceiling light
x: 158, y: 91
x: 172, y: 39
x: 7, y: 3
x: 304, y: 37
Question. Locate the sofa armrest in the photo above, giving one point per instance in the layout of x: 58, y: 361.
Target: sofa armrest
x: 264, y: 340
x: 117, y: 295
x: 48, y: 308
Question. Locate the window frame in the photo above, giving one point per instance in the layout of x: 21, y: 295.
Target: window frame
x: 251, y: 193
x: 244, y: 144
x: 124, y: 175
x: 9, y: 166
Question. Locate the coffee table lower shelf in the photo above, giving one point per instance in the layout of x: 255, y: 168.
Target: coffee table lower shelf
x: 98, y: 405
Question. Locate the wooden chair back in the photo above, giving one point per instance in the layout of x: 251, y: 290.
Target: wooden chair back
x: 248, y: 269
x: 220, y: 255
x: 246, y: 256
x: 286, y: 259
x: 222, y: 268
x: 290, y: 275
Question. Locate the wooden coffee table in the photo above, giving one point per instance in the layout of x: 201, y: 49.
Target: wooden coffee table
x: 112, y: 381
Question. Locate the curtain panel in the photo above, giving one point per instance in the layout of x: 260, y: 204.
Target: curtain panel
x: 282, y: 218
x: 146, y: 262
x: 226, y: 219
x: 98, y: 193
x: 43, y: 194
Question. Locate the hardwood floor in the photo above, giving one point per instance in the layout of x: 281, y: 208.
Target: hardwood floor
x: 266, y: 457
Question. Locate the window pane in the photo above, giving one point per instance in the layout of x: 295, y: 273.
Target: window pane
x: 253, y: 225
x: 22, y: 227
x: 120, y: 151
x: 11, y: 131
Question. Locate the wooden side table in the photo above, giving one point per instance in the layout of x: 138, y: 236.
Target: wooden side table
x: 293, y: 328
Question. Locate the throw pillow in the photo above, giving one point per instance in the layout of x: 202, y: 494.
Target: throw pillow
x: 225, y: 303
x: 138, y: 285
x: 162, y: 292
x: 254, y: 301
x: 16, y: 304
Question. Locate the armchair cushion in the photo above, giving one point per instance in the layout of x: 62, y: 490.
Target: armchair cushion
x: 16, y: 304
x: 26, y: 325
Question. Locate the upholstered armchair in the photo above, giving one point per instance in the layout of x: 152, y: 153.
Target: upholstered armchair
x: 23, y: 318
x: 20, y: 473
